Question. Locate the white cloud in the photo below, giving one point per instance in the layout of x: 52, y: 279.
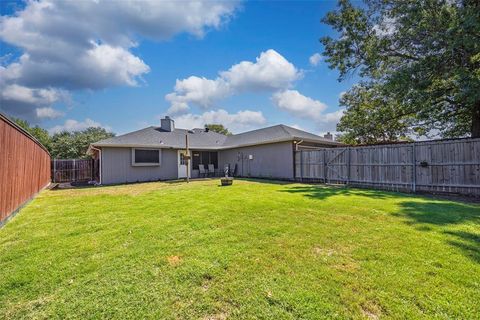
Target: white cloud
x: 79, y: 45
x: 299, y: 105
x: 304, y: 107
x: 333, y: 117
x: 235, y: 122
x: 23, y: 94
x: 48, y: 113
x: 201, y: 91
x: 315, y: 59
x: 270, y: 72
x: 24, y: 101
x: 74, y: 125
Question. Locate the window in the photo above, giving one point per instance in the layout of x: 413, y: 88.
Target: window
x: 205, y: 158
x: 183, y: 161
x: 145, y: 157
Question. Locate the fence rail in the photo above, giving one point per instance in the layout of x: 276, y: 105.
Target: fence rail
x: 74, y: 170
x: 446, y: 166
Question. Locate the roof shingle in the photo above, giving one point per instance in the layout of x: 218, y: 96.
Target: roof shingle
x: 201, y: 139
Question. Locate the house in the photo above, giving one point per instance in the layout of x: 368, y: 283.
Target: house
x: 158, y: 153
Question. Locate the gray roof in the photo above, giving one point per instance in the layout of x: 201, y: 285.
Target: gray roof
x: 272, y: 134
x: 201, y: 139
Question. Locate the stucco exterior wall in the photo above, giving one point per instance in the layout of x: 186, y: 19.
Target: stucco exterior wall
x: 273, y: 160
x: 117, y: 167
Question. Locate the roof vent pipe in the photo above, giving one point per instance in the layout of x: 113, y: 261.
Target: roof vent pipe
x: 167, y: 124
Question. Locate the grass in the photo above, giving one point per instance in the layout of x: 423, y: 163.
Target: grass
x: 256, y: 249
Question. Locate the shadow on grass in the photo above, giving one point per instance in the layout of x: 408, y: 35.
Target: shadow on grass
x: 444, y: 214
x: 439, y: 213
x: 265, y: 180
x: 321, y: 192
x: 424, y: 215
x: 468, y: 242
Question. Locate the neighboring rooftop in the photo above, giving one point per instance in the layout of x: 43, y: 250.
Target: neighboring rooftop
x: 207, y: 139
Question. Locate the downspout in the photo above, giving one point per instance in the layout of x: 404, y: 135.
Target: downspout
x: 295, y: 160
x: 99, y: 161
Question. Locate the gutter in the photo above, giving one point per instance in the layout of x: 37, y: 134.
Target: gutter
x: 296, y: 145
x: 131, y: 145
x: 99, y: 161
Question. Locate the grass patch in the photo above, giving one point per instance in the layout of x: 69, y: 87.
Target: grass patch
x: 252, y: 250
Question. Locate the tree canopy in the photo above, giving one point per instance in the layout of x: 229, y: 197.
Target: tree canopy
x: 66, y: 145
x: 37, y: 132
x: 419, y: 63
x: 219, y: 128
x: 74, y: 145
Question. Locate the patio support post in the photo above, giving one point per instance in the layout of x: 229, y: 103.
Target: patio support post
x: 187, y: 158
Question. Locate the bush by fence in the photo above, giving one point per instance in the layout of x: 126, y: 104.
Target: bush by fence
x: 446, y: 166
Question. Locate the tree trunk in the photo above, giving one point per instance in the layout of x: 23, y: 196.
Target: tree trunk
x: 476, y: 120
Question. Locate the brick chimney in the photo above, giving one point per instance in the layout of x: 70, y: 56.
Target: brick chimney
x: 167, y: 124
x: 328, y: 136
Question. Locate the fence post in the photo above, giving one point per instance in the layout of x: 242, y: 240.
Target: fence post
x: 414, y: 169
x: 348, y: 165
x: 74, y: 168
x: 54, y: 170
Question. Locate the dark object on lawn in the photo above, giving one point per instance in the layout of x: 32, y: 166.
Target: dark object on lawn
x: 424, y: 164
x: 226, y: 170
x: 226, y: 181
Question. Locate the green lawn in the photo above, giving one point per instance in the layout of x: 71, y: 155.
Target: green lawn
x: 256, y: 249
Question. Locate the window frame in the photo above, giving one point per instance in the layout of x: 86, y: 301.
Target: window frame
x: 146, y: 164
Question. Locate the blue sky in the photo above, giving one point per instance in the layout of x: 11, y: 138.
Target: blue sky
x: 131, y: 69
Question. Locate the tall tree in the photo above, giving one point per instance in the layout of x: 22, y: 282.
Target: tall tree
x: 420, y: 64
x: 371, y: 117
x: 219, y: 128
x: 66, y: 145
x: 74, y: 145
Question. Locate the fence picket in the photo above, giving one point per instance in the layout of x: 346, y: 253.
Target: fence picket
x: 450, y: 166
x: 74, y: 170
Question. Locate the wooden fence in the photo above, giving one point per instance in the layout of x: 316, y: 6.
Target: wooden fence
x: 442, y: 166
x: 74, y: 170
x: 24, y: 167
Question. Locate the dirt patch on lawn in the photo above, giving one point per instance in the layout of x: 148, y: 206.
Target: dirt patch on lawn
x: 371, y: 310
x: 217, y: 316
x: 323, y: 251
x: 174, y: 260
